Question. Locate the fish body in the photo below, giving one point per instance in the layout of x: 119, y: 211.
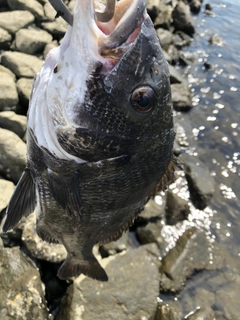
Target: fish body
x: 100, y: 134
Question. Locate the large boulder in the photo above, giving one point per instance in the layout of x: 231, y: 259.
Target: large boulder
x: 8, y: 91
x: 14, y: 122
x: 13, y: 21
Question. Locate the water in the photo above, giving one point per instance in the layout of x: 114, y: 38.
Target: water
x: 213, y: 127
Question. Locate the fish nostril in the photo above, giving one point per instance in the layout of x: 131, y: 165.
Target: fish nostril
x: 108, y: 13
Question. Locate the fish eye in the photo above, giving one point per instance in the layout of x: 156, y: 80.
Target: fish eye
x: 143, y: 99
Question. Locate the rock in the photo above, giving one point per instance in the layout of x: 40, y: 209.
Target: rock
x: 153, y: 8
x: 151, y: 233
x: 6, y: 70
x: 175, y: 76
x: 165, y: 312
x: 208, y: 6
x: 173, y: 54
x: 32, y: 41
x: 200, y: 182
x: 181, y: 96
x: 181, y: 39
x: 5, y: 39
x: 177, y: 209
x: 8, y: 92
x: 195, y: 6
x: 6, y: 191
x: 164, y: 18
x: 216, y: 40
x: 21, y: 290
x: 204, y: 298
x: 189, y: 255
x: 152, y: 212
x: 130, y: 293
x: 165, y: 37
x: 24, y: 88
x: 182, y: 20
x: 49, y: 47
x: 38, y: 248
x: 187, y: 58
x: 21, y: 64
x: 57, y: 28
x: 13, y: 157
x: 201, y: 314
x: 115, y: 247
x: 207, y: 65
x: 13, y: 21
x: 49, y: 11
x: 32, y: 6
x: 14, y: 122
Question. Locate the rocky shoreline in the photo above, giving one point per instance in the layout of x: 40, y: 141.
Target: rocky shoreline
x: 148, y: 277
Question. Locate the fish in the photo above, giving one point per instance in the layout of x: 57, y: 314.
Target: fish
x: 100, y: 132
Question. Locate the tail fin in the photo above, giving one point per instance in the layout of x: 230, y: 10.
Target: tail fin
x: 22, y: 202
x: 73, y: 268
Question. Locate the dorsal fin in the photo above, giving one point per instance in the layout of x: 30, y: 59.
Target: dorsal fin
x: 22, y: 202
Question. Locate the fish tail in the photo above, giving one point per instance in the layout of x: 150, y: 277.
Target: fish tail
x: 73, y: 268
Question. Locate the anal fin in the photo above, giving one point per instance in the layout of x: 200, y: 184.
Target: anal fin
x: 90, y: 268
x: 22, y: 202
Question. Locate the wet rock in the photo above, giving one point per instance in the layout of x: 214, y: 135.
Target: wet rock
x: 216, y: 40
x: 204, y: 298
x: 182, y: 20
x: 200, y: 182
x: 173, y: 54
x: 37, y: 247
x: 177, y: 209
x: 200, y: 314
x: 32, y: 6
x: 6, y: 190
x: 13, y: 21
x: 14, y: 122
x: 21, y: 64
x: 187, y: 58
x: 181, y: 40
x: 130, y: 293
x: 207, y: 65
x: 164, y: 18
x: 165, y: 37
x: 181, y: 96
x: 165, y: 312
x: 175, y: 76
x: 188, y: 256
x: 152, y: 212
x: 21, y: 290
x: 208, y: 6
x: 5, y: 39
x: 8, y: 92
x: 153, y: 8
x: 24, y: 88
x: 57, y: 28
x: 13, y: 157
x: 195, y: 6
x: 49, y: 47
x: 32, y: 41
x: 115, y: 247
x: 6, y: 70
x: 151, y: 233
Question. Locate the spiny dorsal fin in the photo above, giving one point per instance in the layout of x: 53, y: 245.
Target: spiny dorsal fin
x: 22, y: 202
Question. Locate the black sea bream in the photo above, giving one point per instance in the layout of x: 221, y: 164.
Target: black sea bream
x: 100, y: 133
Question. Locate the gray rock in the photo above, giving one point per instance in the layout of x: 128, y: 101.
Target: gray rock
x: 115, y: 247
x: 13, y: 21
x: 49, y: 47
x: 37, y: 247
x: 6, y: 191
x: 216, y: 40
x: 32, y: 41
x: 200, y: 182
x: 57, y: 28
x: 164, y: 18
x: 151, y: 233
x: 181, y: 96
x: 8, y: 92
x: 165, y: 37
x: 195, y: 6
x: 131, y: 292
x: 152, y: 212
x: 21, y: 64
x: 204, y: 298
x: 182, y: 20
x: 165, y: 312
x: 21, y: 290
x: 13, y: 157
x: 9, y: 72
x: 173, y: 54
x: 32, y: 6
x: 187, y: 58
x: 177, y: 209
x: 175, y: 76
x: 24, y: 88
x: 188, y: 256
x: 14, y: 122
x: 5, y: 39
x: 153, y: 8
x: 181, y: 39
x: 201, y: 314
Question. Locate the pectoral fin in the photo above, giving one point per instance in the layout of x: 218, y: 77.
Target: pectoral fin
x: 22, y: 202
